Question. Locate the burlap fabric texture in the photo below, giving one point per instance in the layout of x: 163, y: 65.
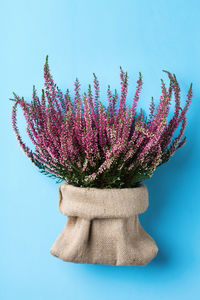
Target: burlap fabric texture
x: 103, y: 226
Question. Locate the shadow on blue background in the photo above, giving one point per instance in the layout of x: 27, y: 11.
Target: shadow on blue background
x: 82, y: 37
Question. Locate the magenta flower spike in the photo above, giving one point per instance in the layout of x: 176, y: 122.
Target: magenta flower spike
x: 89, y: 144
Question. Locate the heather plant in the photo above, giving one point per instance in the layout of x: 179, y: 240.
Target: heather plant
x: 88, y: 144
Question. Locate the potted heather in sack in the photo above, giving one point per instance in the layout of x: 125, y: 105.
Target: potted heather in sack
x: 103, y: 154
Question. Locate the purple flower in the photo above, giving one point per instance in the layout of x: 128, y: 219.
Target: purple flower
x: 88, y: 144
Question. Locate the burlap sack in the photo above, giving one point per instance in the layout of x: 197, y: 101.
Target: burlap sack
x: 103, y: 226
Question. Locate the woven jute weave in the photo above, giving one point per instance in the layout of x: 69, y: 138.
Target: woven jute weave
x: 103, y: 226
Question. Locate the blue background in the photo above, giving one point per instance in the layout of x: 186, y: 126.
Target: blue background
x: 82, y: 37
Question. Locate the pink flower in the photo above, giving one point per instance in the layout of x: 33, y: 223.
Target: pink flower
x: 84, y: 142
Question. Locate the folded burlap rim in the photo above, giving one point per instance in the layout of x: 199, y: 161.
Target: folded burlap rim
x: 91, y: 203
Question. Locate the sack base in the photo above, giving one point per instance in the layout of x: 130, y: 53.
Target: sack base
x: 105, y: 241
